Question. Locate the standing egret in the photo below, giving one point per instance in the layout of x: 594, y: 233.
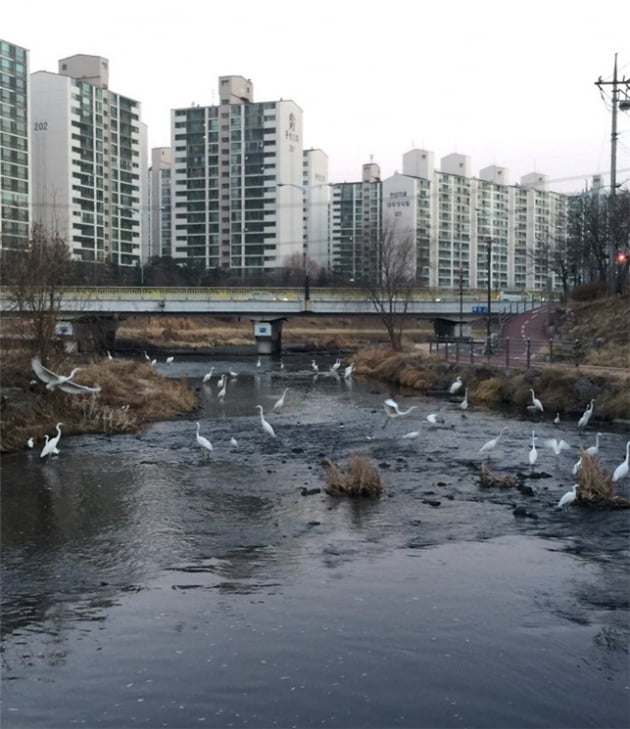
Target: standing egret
x: 586, y: 415
x: 208, y: 376
x: 347, y: 373
x: 281, y: 364
x: 223, y: 382
x: 556, y: 420
x: 456, y: 386
x: 266, y: 426
x: 153, y: 362
x: 576, y: 466
x: 536, y: 404
x: 280, y: 402
x: 594, y: 449
x: 54, y: 451
x: 434, y: 418
x: 51, y: 445
x: 533, y: 453
x: 491, y: 444
x: 30, y: 442
x: 233, y: 442
x: 569, y: 497
x: 464, y: 403
x: 146, y: 356
x: 52, y: 379
x: 315, y: 366
x: 622, y: 469
x: 109, y: 355
x: 203, y: 442
x: 169, y: 360
x: 258, y: 362
x: 337, y: 364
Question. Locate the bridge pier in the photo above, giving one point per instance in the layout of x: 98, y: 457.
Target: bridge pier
x: 88, y: 334
x: 268, y: 336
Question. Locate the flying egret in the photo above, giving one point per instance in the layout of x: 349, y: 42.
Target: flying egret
x: 52, y: 379
x: 208, y: 376
x: 464, y: 403
x: 556, y: 420
x: 203, y: 442
x: 456, y: 386
x: 533, y: 453
x: 491, y: 444
x: 569, y: 497
x: 30, y: 442
x: 594, y: 449
x: 51, y: 444
x: 536, y: 402
x: 557, y: 446
x: 622, y: 469
x: 169, y: 360
x: 280, y: 402
x: 266, y: 426
x: 75, y: 389
x: 586, y: 415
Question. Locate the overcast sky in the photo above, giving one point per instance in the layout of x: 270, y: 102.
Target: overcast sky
x: 507, y: 83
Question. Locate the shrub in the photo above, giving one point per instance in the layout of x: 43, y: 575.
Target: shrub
x: 361, y: 478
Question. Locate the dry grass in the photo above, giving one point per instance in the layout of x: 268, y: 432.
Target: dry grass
x: 131, y: 393
x: 595, y: 485
x: 488, y: 479
x: 360, y: 478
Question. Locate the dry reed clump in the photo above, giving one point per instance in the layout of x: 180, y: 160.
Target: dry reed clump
x: 360, y: 478
x: 490, y: 392
x: 488, y: 479
x: 595, y: 485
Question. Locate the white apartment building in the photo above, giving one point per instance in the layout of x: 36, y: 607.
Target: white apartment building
x: 237, y: 181
x: 316, y: 207
x: 89, y: 162
x: 15, y: 126
x: 467, y: 227
x: 160, y: 202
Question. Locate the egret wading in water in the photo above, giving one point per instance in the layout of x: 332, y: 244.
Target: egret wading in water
x: 280, y: 402
x: 594, y: 449
x: 569, y: 497
x: 464, y: 403
x: 233, y: 442
x: 54, y: 451
x: 169, y: 360
x: 208, y: 376
x: 203, y: 442
x: 490, y: 445
x: 456, y: 386
x: 586, y: 415
x: 556, y: 420
x: 536, y: 404
x: 622, y: 469
x: 265, y: 425
x: 51, y: 445
x: 30, y: 442
x: 533, y: 453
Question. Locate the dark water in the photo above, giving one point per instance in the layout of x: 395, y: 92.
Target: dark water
x: 147, y: 583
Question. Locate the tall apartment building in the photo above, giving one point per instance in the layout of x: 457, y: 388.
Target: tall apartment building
x: 160, y: 202
x: 15, y: 209
x: 237, y: 181
x: 89, y: 162
x: 355, y: 225
x: 467, y: 228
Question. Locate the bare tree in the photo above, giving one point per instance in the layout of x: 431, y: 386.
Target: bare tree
x: 391, y: 285
x: 35, y: 276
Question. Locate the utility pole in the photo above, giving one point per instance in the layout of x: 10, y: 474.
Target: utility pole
x: 623, y: 104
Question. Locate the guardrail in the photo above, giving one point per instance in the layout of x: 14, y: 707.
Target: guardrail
x: 506, y: 352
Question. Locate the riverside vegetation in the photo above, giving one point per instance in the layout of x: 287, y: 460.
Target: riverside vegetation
x: 133, y: 393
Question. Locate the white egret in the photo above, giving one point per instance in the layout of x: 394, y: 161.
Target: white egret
x: 281, y: 364
x: 52, y: 379
x: 223, y: 390
x: 557, y: 446
x: 233, y: 374
x: 51, y: 445
x: 435, y: 418
x: 233, y: 442
x: 411, y: 434
x: 169, y: 360
x: 75, y: 389
x: 556, y: 420
x: 622, y: 469
x: 337, y: 364
x: 153, y: 362
x: 258, y: 362
x: 392, y: 409
x: 30, y: 442
x: 109, y: 355
x: 203, y: 442
x: 576, y: 466
x: 491, y: 444
x: 456, y: 386
x: 347, y: 373
x: 594, y: 449
x: 586, y: 415
x: 280, y: 402
x: 536, y: 402
x: 266, y: 426
x: 54, y: 451
x: 569, y: 497
x: 533, y: 453
x: 464, y: 403
x: 315, y: 366
x: 208, y: 376
x: 146, y: 356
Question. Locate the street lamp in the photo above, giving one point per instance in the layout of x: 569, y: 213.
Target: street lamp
x: 489, y: 258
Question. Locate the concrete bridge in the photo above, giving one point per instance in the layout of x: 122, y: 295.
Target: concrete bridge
x: 84, y: 310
